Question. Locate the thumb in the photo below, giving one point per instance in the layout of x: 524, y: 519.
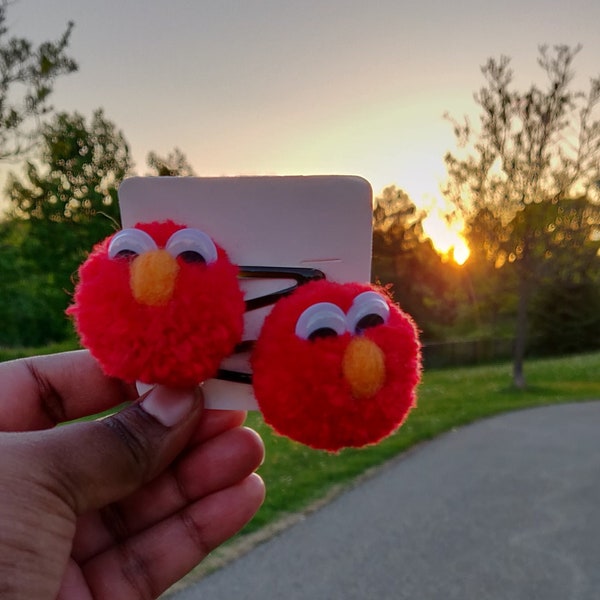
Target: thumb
x: 95, y: 463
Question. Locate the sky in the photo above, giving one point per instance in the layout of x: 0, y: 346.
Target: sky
x: 267, y: 87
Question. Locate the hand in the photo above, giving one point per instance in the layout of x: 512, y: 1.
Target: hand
x: 115, y: 508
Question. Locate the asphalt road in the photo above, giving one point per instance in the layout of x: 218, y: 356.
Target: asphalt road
x: 507, y: 509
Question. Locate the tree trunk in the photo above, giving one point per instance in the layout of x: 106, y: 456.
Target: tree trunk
x: 521, y: 332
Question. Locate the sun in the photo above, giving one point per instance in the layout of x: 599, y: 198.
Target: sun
x: 460, y: 251
x: 446, y: 236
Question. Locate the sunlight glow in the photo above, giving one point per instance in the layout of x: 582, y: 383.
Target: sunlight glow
x: 446, y: 235
x: 460, y: 251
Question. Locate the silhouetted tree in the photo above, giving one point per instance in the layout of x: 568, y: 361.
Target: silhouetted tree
x: 539, y: 145
x: 174, y: 164
x: 27, y: 76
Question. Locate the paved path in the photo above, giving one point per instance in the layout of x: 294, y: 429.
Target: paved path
x: 508, y: 508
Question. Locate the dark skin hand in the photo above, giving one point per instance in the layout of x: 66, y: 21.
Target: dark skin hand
x: 116, y: 508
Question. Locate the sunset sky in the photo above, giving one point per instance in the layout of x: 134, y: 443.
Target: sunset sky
x: 272, y: 87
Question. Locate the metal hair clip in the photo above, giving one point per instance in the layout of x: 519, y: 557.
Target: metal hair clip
x: 300, y: 275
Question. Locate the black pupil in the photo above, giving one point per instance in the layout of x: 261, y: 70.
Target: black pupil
x: 322, y: 332
x: 126, y: 254
x: 371, y: 320
x: 190, y: 256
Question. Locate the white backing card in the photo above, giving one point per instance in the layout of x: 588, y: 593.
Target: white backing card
x: 323, y: 222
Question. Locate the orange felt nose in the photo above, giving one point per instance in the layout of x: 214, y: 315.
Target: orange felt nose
x: 363, y: 366
x: 152, y: 277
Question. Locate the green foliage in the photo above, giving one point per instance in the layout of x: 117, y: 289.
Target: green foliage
x: 58, y: 212
x: 566, y: 307
x: 27, y: 75
x: 564, y: 245
x: 29, y: 297
x: 566, y: 317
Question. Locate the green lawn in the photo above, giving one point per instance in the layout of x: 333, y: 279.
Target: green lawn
x: 296, y: 475
x: 13, y: 353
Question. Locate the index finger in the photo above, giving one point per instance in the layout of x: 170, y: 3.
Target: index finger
x: 39, y: 392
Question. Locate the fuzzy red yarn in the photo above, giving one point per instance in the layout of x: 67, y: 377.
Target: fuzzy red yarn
x: 179, y: 344
x: 300, y: 386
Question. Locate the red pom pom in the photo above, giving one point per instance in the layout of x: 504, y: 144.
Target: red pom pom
x: 165, y: 318
x: 343, y: 374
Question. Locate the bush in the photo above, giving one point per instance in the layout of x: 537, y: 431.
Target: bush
x: 566, y: 318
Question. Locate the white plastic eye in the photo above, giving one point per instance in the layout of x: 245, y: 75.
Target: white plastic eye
x: 192, y: 245
x: 130, y: 242
x: 369, y: 309
x: 321, y: 320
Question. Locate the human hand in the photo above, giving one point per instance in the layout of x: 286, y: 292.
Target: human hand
x: 117, y: 508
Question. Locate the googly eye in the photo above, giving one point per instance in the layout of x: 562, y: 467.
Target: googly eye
x: 323, y: 319
x: 192, y: 245
x: 369, y: 309
x: 130, y: 242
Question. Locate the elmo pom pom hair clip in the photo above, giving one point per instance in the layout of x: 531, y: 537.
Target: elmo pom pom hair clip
x: 159, y: 303
x: 336, y: 365
x: 329, y: 362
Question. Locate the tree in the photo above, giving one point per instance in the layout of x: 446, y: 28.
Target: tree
x: 531, y: 147
x: 26, y: 294
x: 67, y: 202
x: 174, y: 164
x: 27, y: 76
x: 406, y: 260
x: 397, y: 224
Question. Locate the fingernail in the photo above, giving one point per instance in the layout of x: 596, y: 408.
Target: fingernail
x: 169, y: 406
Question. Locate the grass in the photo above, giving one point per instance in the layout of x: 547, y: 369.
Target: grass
x: 297, y: 476
x: 13, y: 353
